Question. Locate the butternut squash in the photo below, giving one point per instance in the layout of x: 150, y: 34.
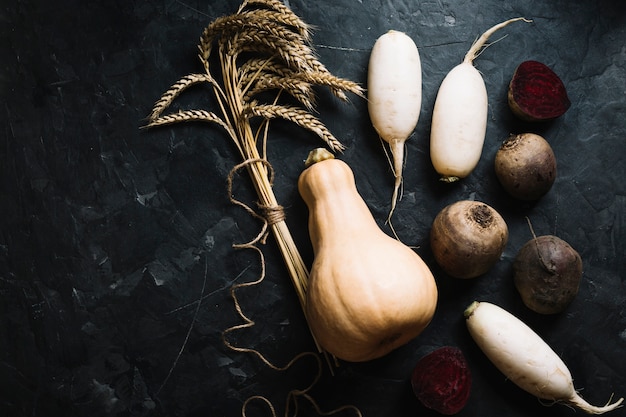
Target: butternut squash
x: 368, y: 293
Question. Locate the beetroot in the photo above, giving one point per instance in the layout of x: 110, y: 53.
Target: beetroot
x: 442, y: 380
x: 525, y: 166
x: 547, y: 273
x: 536, y: 93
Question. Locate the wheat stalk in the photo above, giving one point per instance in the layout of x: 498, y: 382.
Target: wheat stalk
x: 264, y: 46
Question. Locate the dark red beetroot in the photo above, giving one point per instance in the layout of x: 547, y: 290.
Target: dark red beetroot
x: 536, y: 93
x: 442, y: 380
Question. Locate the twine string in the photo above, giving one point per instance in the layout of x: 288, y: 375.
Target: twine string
x: 273, y: 214
x: 269, y: 215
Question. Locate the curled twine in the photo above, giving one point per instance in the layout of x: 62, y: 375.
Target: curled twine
x: 271, y: 215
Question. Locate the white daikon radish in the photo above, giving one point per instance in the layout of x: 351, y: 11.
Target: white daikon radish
x: 394, y: 92
x: 459, y: 121
x: 524, y: 357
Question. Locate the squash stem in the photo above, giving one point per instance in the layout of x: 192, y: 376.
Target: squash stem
x: 318, y: 155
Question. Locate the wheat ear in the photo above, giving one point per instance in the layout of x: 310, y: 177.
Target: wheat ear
x: 279, y: 7
x: 174, y: 91
x: 298, y: 116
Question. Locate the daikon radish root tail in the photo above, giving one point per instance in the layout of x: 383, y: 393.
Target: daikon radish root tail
x: 397, y: 156
x: 578, y: 402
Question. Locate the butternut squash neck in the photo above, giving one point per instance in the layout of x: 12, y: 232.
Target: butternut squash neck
x: 329, y: 190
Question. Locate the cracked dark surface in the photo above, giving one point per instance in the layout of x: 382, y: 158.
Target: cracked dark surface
x: 106, y: 231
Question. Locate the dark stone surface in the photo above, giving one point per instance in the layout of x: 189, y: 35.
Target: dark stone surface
x: 110, y: 236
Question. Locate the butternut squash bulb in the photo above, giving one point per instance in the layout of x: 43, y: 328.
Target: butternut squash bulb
x: 368, y: 293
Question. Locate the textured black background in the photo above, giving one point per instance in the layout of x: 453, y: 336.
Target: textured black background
x: 110, y: 236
